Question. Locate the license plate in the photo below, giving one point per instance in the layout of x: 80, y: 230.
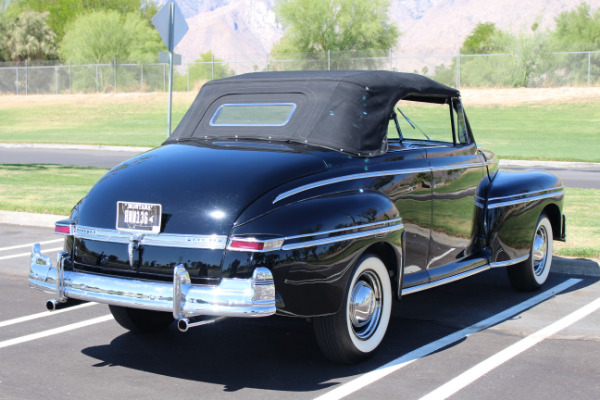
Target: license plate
x: 144, y: 217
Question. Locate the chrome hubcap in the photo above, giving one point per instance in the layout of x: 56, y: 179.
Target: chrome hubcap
x: 365, y: 305
x: 540, y: 250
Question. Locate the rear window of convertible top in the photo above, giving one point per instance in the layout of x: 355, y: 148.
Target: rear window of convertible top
x: 253, y: 114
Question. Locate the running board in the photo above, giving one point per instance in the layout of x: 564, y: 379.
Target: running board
x: 466, y: 274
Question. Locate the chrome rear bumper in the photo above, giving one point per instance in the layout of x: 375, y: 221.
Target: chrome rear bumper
x: 254, y: 297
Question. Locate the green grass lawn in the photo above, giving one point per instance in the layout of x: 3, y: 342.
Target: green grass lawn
x: 566, y: 132
x: 44, y: 188
x: 55, y: 189
x: 583, y: 224
x: 122, y: 123
x: 569, y: 132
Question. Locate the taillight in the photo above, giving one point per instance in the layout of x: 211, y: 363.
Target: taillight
x: 64, y: 227
x: 247, y: 245
x: 252, y: 244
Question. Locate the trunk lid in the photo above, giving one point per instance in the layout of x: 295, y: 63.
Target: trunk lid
x: 202, y: 188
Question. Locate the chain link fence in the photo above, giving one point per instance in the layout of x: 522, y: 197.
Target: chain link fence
x: 122, y: 76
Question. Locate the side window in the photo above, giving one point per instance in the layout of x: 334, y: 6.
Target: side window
x: 421, y: 121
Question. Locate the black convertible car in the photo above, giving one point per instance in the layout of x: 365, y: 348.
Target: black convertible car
x: 306, y: 194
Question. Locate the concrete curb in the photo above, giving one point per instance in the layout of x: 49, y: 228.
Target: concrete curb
x: 581, y: 166
x: 560, y: 265
x: 575, y: 266
x: 29, y: 219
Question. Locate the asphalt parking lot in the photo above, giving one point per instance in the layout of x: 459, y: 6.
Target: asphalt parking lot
x: 474, y: 339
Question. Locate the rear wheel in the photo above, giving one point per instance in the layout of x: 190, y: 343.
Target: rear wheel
x: 137, y: 320
x: 532, y: 273
x: 355, y: 332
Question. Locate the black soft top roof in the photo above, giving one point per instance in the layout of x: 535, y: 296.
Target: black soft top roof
x: 347, y: 111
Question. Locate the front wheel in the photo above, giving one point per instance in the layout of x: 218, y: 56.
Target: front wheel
x: 532, y: 273
x: 355, y: 332
x: 137, y: 320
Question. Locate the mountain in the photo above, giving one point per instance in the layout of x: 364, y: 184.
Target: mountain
x: 244, y: 31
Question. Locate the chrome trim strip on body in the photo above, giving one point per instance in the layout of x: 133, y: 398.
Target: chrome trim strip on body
x: 253, y: 297
x: 543, y: 191
x: 210, y: 242
x: 507, y: 263
x: 340, y: 238
x: 366, y: 175
x: 429, y: 285
x: 395, y: 221
x: 372, y: 229
x: 524, y: 198
x: 466, y: 274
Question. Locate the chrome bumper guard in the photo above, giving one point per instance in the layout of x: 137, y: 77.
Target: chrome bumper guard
x: 254, y: 297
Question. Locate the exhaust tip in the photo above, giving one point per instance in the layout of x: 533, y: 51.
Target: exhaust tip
x: 183, y: 325
x: 52, y: 305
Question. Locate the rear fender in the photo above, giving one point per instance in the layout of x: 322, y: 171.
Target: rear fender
x: 318, y: 240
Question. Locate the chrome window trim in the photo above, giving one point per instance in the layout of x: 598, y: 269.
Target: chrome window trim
x: 220, y: 108
x: 366, y: 175
x: 377, y: 228
x: 208, y: 242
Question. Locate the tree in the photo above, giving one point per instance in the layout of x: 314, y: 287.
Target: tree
x: 205, y: 68
x: 483, y: 39
x: 577, y: 30
x: 334, y: 25
x: 101, y: 36
x: 28, y: 37
x: 208, y: 68
x: 522, y: 60
x: 63, y: 12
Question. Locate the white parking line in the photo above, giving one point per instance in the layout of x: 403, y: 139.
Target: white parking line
x: 29, y: 245
x: 471, y: 375
x: 27, y: 254
x: 400, y: 362
x: 43, y: 315
x: 55, y: 331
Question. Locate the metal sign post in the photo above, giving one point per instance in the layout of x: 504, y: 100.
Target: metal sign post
x: 171, y: 25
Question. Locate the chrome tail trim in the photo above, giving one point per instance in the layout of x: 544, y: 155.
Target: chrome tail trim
x: 379, y: 228
x: 210, y: 242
